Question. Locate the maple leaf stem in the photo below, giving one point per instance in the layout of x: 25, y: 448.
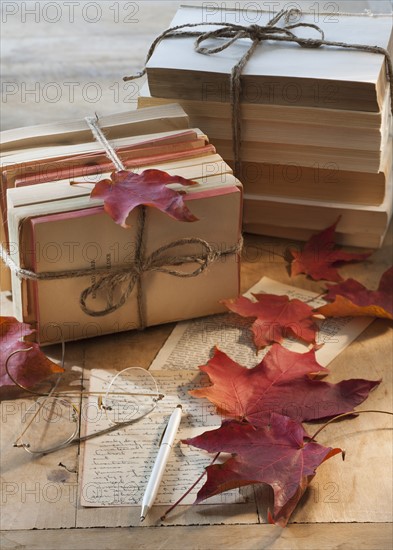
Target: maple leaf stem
x: 79, y: 183
x: 188, y: 490
x: 322, y: 293
x: 351, y: 413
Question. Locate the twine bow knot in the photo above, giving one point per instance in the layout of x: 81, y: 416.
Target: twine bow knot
x: 158, y: 261
x: 257, y: 34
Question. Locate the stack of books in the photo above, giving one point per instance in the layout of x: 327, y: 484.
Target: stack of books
x: 316, y: 122
x: 52, y: 225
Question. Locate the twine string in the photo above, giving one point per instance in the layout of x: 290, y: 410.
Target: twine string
x: 101, y: 138
x: 111, y: 279
x: 157, y: 261
x: 231, y: 32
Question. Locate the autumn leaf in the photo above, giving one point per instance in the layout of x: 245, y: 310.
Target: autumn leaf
x: 283, y: 382
x: 127, y: 190
x: 278, y: 453
x: 319, y: 257
x: 351, y: 298
x: 277, y: 317
x: 27, y: 368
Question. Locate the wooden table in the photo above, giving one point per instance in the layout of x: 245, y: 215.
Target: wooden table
x: 349, y: 504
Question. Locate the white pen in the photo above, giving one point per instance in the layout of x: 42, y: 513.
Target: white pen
x: 161, y: 461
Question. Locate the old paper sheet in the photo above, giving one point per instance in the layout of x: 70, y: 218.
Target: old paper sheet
x: 191, y: 342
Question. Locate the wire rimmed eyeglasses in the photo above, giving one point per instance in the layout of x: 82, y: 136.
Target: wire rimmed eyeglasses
x: 52, y: 422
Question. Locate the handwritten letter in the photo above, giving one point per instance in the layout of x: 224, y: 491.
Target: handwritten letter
x: 117, y: 465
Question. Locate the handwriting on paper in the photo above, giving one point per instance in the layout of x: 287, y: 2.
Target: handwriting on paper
x: 117, y: 465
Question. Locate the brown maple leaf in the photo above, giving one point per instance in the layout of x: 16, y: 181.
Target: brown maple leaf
x: 351, y: 298
x: 319, y: 257
x: 127, y: 190
x: 283, y: 382
x: 27, y: 368
x: 277, y: 317
x: 279, y: 454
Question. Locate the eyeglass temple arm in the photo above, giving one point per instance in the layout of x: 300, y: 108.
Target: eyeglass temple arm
x: 97, y: 434
x: 27, y: 389
x: 29, y: 349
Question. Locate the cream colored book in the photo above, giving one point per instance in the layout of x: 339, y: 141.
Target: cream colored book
x: 278, y: 72
x: 316, y: 216
x: 56, y: 152
x: 321, y: 182
x: 347, y: 159
x: 125, y: 124
x: 53, y: 164
x: 290, y: 114
x: 294, y: 234
x: 289, y: 125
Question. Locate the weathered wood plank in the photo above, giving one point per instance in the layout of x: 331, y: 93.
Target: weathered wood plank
x: 262, y: 537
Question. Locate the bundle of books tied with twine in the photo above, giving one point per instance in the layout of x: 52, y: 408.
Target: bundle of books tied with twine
x: 76, y: 273
x: 300, y: 108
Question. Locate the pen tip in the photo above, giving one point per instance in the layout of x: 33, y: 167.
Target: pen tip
x: 142, y: 518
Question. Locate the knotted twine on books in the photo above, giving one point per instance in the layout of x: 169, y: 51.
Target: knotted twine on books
x: 109, y: 280
x: 257, y: 34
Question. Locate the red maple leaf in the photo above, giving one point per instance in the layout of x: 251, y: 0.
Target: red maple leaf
x: 278, y: 454
x: 277, y: 317
x: 127, y: 190
x: 352, y: 298
x: 27, y: 368
x: 283, y: 382
x: 319, y: 257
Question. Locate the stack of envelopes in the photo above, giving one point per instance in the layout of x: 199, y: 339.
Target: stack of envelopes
x: 53, y: 226
x: 315, y: 122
